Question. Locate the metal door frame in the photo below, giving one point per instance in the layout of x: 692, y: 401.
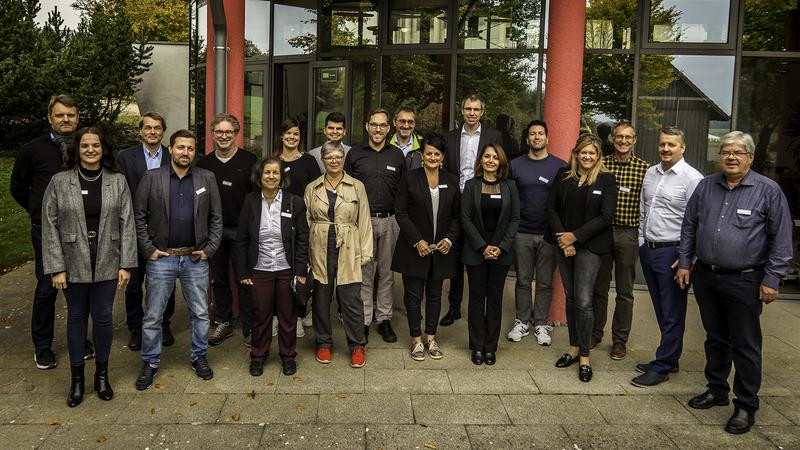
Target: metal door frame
x: 348, y: 104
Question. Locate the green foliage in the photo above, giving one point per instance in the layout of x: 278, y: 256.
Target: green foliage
x: 766, y: 24
x: 154, y: 20
x: 15, y: 237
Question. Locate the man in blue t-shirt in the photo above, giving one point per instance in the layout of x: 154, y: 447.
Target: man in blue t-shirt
x: 534, y: 173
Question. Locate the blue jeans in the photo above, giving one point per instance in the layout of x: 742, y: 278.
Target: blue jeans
x: 579, y: 274
x: 160, y: 282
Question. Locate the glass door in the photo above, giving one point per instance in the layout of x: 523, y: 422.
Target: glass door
x: 331, y: 90
x: 254, y: 123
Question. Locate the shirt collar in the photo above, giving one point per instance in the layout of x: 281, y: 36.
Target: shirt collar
x: 747, y: 180
x: 278, y: 196
x: 477, y: 130
x: 147, y: 152
x: 172, y: 171
x: 676, y: 168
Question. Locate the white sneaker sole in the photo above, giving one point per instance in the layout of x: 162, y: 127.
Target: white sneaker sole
x: 519, y: 338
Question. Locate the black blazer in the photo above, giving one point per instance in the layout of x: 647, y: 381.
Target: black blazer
x: 595, y: 232
x: 294, y: 232
x: 131, y: 163
x: 472, y: 222
x: 452, y: 159
x: 414, y: 213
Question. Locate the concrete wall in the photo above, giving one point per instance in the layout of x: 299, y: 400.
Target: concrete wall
x: 165, y: 87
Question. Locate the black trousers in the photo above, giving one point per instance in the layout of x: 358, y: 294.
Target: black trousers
x: 456, y: 292
x: 486, y: 283
x: 414, y: 289
x: 134, y: 295
x: 44, y: 297
x: 84, y: 300
x: 730, y: 309
x: 223, y: 294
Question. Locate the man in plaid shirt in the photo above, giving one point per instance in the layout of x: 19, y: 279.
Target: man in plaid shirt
x: 629, y: 171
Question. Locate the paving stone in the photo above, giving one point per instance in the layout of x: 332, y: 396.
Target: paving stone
x: 323, y: 380
x: 345, y: 437
x: 365, y: 408
x: 409, y: 381
x: 565, y: 381
x: 786, y: 437
x: 518, y: 436
x: 92, y: 410
x: 617, y: 436
x: 458, y: 409
x: 652, y: 410
x: 788, y: 407
x: 466, y: 381
x: 551, y: 409
x: 25, y: 436
x: 169, y: 380
x: 237, y: 380
x: 52, y: 381
x: 209, y: 436
x: 681, y: 383
x: 694, y: 436
x: 172, y: 408
x: 454, y: 358
x: 767, y: 414
x: 416, y: 436
x: 103, y: 436
x: 270, y: 408
x: 12, y: 404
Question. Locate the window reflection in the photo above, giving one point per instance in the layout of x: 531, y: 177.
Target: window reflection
x: 350, y: 23
x: 610, y: 24
x: 606, y: 96
x: 494, y: 24
x: 767, y: 25
x: 253, y: 121
x: 295, y: 30
x: 256, y: 28
x: 700, y: 21
x: 418, y: 22
x: 421, y: 81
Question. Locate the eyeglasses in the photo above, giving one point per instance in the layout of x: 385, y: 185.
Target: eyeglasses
x: 382, y: 126
x: 473, y: 110
x: 155, y: 128
x: 736, y: 154
x: 220, y: 133
x: 409, y: 122
x: 623, y: 138
x: 333, y: 158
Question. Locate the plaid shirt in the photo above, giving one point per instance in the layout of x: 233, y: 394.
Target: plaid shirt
x: 629, y: 179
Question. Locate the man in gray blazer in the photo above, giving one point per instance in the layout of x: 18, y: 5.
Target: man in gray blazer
x: 178, y: 217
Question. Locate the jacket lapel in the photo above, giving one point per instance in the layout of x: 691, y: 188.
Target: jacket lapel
x: 476, y: 200
x: 138, y: 160
x: 286, y: 222
x: 106, y: 198
x: 164, y: 181
x: 422, y: 181
x: 76, y: 197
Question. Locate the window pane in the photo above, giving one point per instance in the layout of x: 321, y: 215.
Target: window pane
x: 256, y: 29
x: 703, y: 21
x: 418, y: 22
x: 610, y: 24
x: 767, y: 25
x: 364, y: 75
x: 295, y: 30
x: 507, y: 84
x: 350, y: 24
x: 198, y: 17
x: 494, y: 24
x: 422, y: 81
x: 691, y: 92
x: 253, y: 123
x: 606, y: 93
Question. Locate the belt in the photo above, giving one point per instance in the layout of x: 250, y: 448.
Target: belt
x: 661, y: 244
x: 718, y: 269
x: 91, y: 234
x: 381, y: 214
x: 180, y: 251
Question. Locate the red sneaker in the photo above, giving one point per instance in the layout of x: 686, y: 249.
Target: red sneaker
x: 324, y: 355
x: 357, y: 359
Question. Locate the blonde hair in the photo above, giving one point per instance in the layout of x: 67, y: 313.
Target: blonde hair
x: 585, y: 140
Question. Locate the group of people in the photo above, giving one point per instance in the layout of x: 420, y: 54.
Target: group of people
x: 341, y: 220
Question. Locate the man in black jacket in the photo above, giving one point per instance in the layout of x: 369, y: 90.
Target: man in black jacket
x: 37, y: 162
x: 133, y: 162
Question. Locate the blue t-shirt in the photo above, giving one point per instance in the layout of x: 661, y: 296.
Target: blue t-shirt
x: 534, y: 179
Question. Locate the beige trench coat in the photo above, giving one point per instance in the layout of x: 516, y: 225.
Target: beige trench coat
x: 353, y: 229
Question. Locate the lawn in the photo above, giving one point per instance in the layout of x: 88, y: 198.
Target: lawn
x: 15, y: 226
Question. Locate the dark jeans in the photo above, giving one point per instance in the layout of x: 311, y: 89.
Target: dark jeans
x: 456, y: 292
x: 85, y: 299
x: 579, y: 273
x: 623, y: 261
x: 486, y: 283
x: 272, y: 296
x: 669, y: 303
x: 223, y: 295
x: 134, y: 294
x: 730, y: 310
x: 352, y: 308
x: 44, y: 297
x: 414, y: 288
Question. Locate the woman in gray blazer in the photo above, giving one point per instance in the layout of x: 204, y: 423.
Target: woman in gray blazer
x: 89, y: 247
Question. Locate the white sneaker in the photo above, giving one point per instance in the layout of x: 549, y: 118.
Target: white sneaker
x: 518, y: 331
x: 300, y: 331
x: 307, y: 322
x: 542, y: 333
x: 274, y: 326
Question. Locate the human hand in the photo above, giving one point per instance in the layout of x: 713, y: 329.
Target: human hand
x: 443, y: 246
x: 683, y: 277
x: 423, y: 248
x: 246, y: 281
x: 60, y: 280
x: 767, y: 294
x: 157, y: 254
x: 122, y: 278
x: 570, y: 251
x: 566, y: 239
x: 200, y: 254
x: 302, y: 280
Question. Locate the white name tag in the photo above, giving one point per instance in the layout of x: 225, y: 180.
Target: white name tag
x: 495, y: 196
x: 744, y: 212
x: 442, y: 186
x: 624, y: 189
x: 393, y: 169
x: 285, y: 214
x: 597, y: 192
x: 287, y: 168
x: 227, y: 183
x: 200, y: 191
x: 544, y: 180
x: 84, y: 192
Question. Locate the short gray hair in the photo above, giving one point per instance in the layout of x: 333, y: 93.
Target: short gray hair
x: 224, y: 117
x: 330, y: 147
x: 739, y: 138
x: 674, y: 131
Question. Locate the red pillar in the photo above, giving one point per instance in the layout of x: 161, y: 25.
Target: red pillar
x: 562, y: 100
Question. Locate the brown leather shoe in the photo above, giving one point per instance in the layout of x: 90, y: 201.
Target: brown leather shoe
x: 594, y: 343
x: 618, y: 351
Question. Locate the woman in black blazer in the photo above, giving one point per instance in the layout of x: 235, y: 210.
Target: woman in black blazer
x: 579, y: 212
x: 490, y: 217
x: 427, y: 208
x: 272, y: 250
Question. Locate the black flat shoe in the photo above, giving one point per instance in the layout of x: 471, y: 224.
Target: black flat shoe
x: 451, y: 316
x: 707, y: 400
x: 256, y: 368
x: 489, y: 358
x: 386, y: 331
x: 741, y: 421
x: 566, y: 360
x: 135, y: 342
x: 289, y: 367
x: 585, y: 373
x: 477, y: 358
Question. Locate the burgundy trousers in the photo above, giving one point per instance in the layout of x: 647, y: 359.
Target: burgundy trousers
x: 272, y: 296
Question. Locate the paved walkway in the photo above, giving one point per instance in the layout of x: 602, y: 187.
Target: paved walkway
x: 394, y: 402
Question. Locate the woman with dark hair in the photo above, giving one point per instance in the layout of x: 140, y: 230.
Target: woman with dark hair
x: 427, y: 208
x: 490, y: 217
x: 580, y: 207
x: 271, y: 251
x: 90, y: 236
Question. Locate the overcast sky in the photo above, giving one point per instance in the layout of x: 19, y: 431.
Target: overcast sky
x: 70, y: 16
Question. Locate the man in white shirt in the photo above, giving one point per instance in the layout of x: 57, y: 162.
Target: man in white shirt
x: 335, y: 131
x: 666, y: 190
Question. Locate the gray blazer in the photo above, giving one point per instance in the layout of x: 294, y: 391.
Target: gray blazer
x: 151, y: 211
x: 65, y: 245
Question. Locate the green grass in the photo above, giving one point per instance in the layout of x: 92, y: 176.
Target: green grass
x: 15, y: 226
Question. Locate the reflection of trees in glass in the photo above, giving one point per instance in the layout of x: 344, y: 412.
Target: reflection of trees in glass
x: 520, y: 16
x: 766, y: 25
x: 415, y: 24
x: 610, y: 23
x: 252, y: 51
x: 664, y: 16
x: 416, y: 80
x: 607, y: 87
x: 656, y: 74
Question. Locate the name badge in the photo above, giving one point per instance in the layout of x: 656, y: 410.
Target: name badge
x: 544, y: 180
x: 744, y: 212
x: 442, y: 186
x: 227, y: 183
x: 200, y: 191
x: 285, y: 214
x: 393, y: 169
x: 597, y: 192
x: 84, y: 192
x: 495, y: 196
x: 624, y: 189
x: 287, y: 168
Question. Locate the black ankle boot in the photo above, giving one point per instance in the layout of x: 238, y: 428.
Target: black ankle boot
x: 76, y: 388
x: 101, y: 383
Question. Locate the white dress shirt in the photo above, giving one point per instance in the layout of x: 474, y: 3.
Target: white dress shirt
x: 271, y: 254
x: 663, y: 201
x: 152, y: 161
x: 468, y: 154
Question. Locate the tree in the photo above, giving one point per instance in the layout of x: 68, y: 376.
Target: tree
x: 154, y: 20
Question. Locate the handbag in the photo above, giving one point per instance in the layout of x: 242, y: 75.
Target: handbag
x: 301, y: 292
